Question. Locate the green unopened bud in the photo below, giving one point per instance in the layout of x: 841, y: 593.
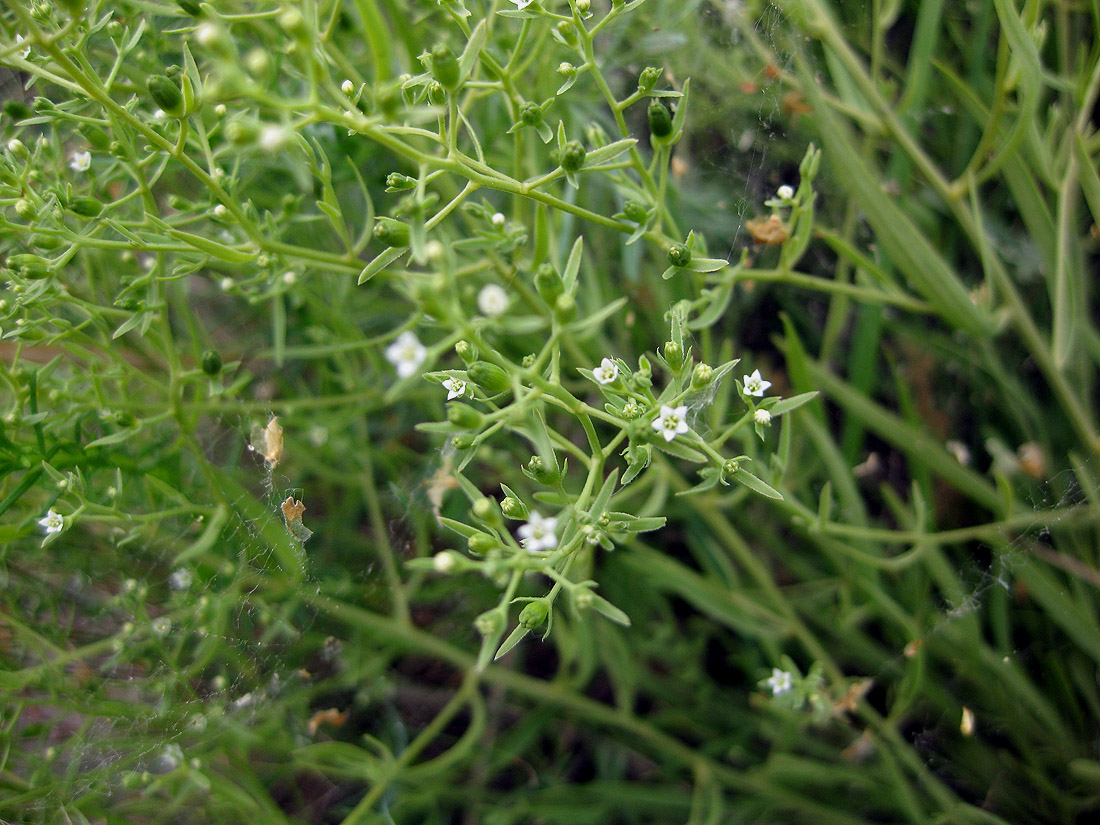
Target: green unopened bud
x: 636, y: 211
x: 514, y: 508
x: 395, y: 180
x: 533, y: 615
x: 584, y: 6
x: 466, y: 351
x: 86, y: 206
x: 391, y: 232
x: 241, y: 132
x: 567, y: 31
x: 437, y: 96
x: 293, y: 24
x: 463, y: 441
x: 486, y: 509
x: 489, y: 623
x: 572, y: 156
x: 701, y: 376
x: 565, y: 308
x: 25, y: 209
x: 660, y: 120
x: 480, y: 544
x: 679, y: 255
x: 530, y: 114
x: 445, y: 66
x: 548, y: 283
x: 211, y: 362
x: 648, y: 78
x: 463, y: 415
x: 18, y: 148
x: 542, y: 472
x: 166, y: 94
x: 583, y: 598
x: 95, y: 136
x: 674, y: 355
x: 489, y: 377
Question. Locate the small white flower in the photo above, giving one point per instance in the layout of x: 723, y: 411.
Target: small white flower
x: 20, y: 40
x: 80, y: 161
x: 53, y: 522
x: 158, y: 114
x: 290, y: 278
x: 762, y: 417
x: 538, y: 533
x: 406, y: 354
x: 443, y: 562
x: 607, y: 371
x: 498, y: 219
x: 522, y: 4
x: 225, y: 284
x: 456, y: 387
x: 180, y: 579
x: 434, y: 250
x: 779, y: 682
x: 220, y: 110
x: 755, y: 384
x: 220, y: 211
x: 492, y: 300
x: 161, y: 626
x: 670, y: 423
x: 785, y: 193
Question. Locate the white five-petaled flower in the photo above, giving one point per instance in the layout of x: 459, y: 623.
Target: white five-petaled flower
x: 456, y: 387
x: 25, y: 52
x: 53, y: 522
x: 607, y: 371
x: 762, y: 417
x: 779, y: 682
x: 755, y: 384
x: 492, y: 300
x: 80, y: 161
x: 538, y: 533
x: 406, y: 354
x: 670, y: 423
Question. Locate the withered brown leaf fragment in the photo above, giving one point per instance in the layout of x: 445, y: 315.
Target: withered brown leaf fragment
x: 768, y: 231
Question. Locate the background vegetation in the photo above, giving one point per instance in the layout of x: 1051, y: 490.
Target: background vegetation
x: 917, y: 545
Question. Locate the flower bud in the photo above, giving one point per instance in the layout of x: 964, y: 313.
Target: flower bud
x: 489, y: 623
x: 466, y: 351
x: 636, y: 211
x: 542, y: 473
x: 391, y: 232
x: 533, y: 615
x: 293, y: 24
x: 648, y: 78
x: 463, y: 415
x: 445, y: 66
x: 566, y: 69
x: 463, y: 441
x: 513, y: 508
x: 96, y: 137
x: 25, y: 209
x: 17, y: 109
x: 486, y: 509
x: 567, y: 31
x: 480, y: 544
x: 548, y: 283
x: 572, y: 156
x: 584, y: 6
x: 395, y: 180
x: 674, y: 355
x: 166, y: 94
x: 565, y: 308
x: 679, y: 255
x: 530, y: 114
x: 18, y: 148
x: 444, y: 562
x: 241, y: 132
x: 211, y: 362
x: 86, y: 206
x: 436, y: 95
x: 489, y: 377
x: 701, y: 376
x: 660, y: 120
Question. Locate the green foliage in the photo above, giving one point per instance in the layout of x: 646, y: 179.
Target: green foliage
x: 397, y: 429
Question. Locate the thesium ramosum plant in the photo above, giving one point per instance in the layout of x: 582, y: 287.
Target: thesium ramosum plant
x: 444, y: 411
